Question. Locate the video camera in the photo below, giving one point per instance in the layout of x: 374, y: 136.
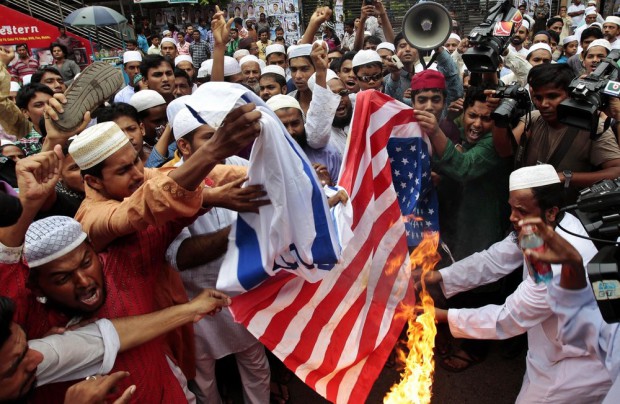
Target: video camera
x: 515, y: 103
x: 589, y: 95
x: 491, y: 38
x: 598, y: 208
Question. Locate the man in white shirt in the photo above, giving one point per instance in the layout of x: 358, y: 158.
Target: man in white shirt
x: 517, y: 40
x: 131, y: 66
x: 611, y: 30
x: 576, y: 11
x: 555, y: 372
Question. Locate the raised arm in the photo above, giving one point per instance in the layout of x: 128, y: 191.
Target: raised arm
x: 388, y: 31
x: 319, y: 16
x: 221, y: 33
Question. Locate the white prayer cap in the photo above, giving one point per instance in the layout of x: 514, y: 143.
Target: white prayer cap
x: 26, y: 79
x: 241, y: 53
x: 132, y: 56
x: 455, y: 36
x: 365, y: 57
x: 14, y: 86
x: 569, y: 39
x: 590, y: 11
x: 207, y: 65
x: 613, y: 19
x: 533, y: 176
x: 295, y: 51
x: 525, y: 23
x: 51, y: 238
x: 166, y: 32
x: 330, y: 75
x: 145, y: 99
x: 182, y: 58
x: 598, y: 24
x: 592, y: 2
x: 386, y: 45
x: 97, y: 143
x: 247, y: 59
x: 538, y: 46
x: 203, y: 72
x: 283, y: 101
x: 184, y: 123
x: 231, y: 66
x: 6, y: 142
x: 599, y: 42
x: 174, y: 107
x: 261, y: 64
x: 273, y: 69
x: 275, y: 48
x: 367, y: 33
x: 167, y: 39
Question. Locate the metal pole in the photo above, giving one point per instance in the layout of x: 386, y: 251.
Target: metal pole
x: 60, y: 11
x: 120, y: 2
x: 29, y: 9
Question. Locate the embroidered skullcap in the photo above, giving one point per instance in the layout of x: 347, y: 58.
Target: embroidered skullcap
x: 599, y: 42
x: 26, y: 79
x: 590, y: 11
x: 132, y: 56
x: 231, y: 66
x: 533, y: 176
x: 241, y: 53
x: 330, y: 75
x: 167, y: 39
x: 455, y: 36
x: 273, y: 69
x: 248, y: 59
x: 538, y: 46
x: 137, y: 78
x: 184, y: 123
x: 295, y: 51
x: 569, y: 39
x: 365, y: 57
x: 525, y: 23
x: 96, y: 143
x: 386, y: 45
x: 14, y: 86
x: 182, y: 58
x: 174, y: 107
x: 51, y: 238
x: 145, y: 99
x: 6, y: 142
x: 275, y: 48
x: 613, y: 19
x: 283, y: 101
x: 428, y: 79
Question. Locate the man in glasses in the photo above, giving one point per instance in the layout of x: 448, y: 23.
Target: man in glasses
x: 368, y: 68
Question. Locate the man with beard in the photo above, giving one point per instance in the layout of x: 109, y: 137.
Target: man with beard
x: 272, y: 82
x: 169, y: 49
x: 250, y: 69
x: 25, y: 64
x: 517, y: 40
x: 611, y: 30
x: 131, y: 66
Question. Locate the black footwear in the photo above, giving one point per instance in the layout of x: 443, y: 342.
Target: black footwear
x: 93, y: 86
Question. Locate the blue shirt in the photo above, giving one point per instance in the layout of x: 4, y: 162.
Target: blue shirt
x: 143, y: 44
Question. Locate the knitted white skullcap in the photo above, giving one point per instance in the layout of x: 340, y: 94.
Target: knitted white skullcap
x: 273, y: 69
x: 167, y: 39
x: 240, y: 53
x: 247, y: 59
x: 231, y: 66
x: 569, y: 39
x: 525, y: 23
x: 538, y: 46
x: 132, y: 56
x: 26, y: 79
x: 533, y: 176
x: 51, y: 238
x: 590, y: 11
x: 365, y: 57
x: 182, y: 58
x: 295, y: 51
x: 386, y: 45
x: 145, y: 99
x: 283, y: 101
x: 455, y: 36
x: 613, y: 19
x: 330, y: 75
x: 14, y: 86
x: 97, y: 143
x: 174, y: 107
x: 275, y: 48
x: 599, y: 42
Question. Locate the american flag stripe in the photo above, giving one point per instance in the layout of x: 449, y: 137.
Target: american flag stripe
x: 336, y: 334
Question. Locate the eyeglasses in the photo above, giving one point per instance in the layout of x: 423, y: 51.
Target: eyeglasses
x: 368, y: 79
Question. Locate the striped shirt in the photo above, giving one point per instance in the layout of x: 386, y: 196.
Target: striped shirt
x: 23, y: 67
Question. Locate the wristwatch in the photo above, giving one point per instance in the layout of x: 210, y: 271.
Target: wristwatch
x: 568, y: 175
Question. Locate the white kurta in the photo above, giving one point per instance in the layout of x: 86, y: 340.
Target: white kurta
x: 125, y: 94
x: 555, y: 372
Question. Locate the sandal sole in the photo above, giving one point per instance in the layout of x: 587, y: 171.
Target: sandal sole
x: 94, y: 85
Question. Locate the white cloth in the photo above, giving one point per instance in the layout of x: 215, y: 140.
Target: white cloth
x: 580, y: 324
x: 125, y: 94
x: 320, y: 115
x: 578, y: 18
x: 519, y: 68
x: 522, y: 51
x: 555, y: 372
x: 87, y: 351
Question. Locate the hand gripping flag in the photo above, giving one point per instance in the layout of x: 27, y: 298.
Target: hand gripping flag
x: 336, y: 334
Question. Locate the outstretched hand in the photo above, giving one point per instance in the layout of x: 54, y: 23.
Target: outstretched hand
x: 94, y: 390
x: 235, y: 197
x: 220, y: 27
x: 240, y: 128
x: 37, y: 176
x: 209, y: 302
x: 55, y: 135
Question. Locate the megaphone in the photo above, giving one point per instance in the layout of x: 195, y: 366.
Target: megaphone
x: 427, y: 26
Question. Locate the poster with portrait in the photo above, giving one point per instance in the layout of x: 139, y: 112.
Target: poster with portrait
x: 44, y: 56
x: 291, y: 28
x: 80, y: 57
x: 274, y: 8
x: 260, y: 7
x: 339, y: 16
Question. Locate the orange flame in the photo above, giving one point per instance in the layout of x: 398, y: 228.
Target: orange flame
x: 419, y: 364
